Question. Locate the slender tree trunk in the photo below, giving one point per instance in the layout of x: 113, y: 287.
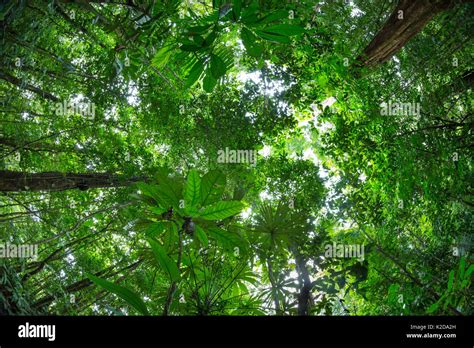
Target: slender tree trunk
x: 304, y: 297
x: 11, y: 181
x: 276, y: 301
x: 408, y: 18
x: 174, y: 284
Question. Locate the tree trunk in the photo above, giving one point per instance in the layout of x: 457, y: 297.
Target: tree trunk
x: 56, y: 181
x: 276, y: 301
x: 407, y: 19
x: 304, y: 297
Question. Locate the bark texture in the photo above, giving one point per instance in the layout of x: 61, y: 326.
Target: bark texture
x: 407, y: 19
x: 11, y: 181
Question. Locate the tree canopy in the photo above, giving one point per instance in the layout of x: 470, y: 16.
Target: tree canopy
x: 236, y: 157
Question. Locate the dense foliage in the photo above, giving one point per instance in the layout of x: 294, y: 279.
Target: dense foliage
x: 185, y: 157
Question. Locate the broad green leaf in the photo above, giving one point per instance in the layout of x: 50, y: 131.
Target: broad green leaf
x: 250, y: 44
x: 469, y: 271
x: 272, y: 37
x: 433, y: 307
x: 218, y: 68
x: 167, y: 197
x: 249, y: 14
x: 157, y: 210
x: 237, y: 8
x: 285, y: 29
x: 155, y: 229
x: 274, y: 16
x: 171, y: 237
x: 167, y: 193
x: 221, y: 210
x: 164, y: 260
x: 162, y: 57
x: 129, y: 296
x: 227, y: 239
x: 462, y: 268
x: 148, y: 190
x: 199, y: 29
x: 243, y: 288
x: 190, y: 48
x: 209, y: 81
x: 451, y: 280
x: 201, y: 236
x: 194, y: 74
x: 212, y: 187
x: 210, y: 39
x: 198, y: 40
x: 192, y: 195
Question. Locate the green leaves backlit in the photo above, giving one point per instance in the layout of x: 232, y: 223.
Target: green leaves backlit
x: 129, y: 296
x: 164, y: 260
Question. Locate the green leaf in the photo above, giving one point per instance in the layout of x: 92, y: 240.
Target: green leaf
x: 227, y: 239
x: 249, y: 14
x: 192, y: 195
x: 194, y: 74
x: 237, y: 8
x: 210, y: 39
x: 433, y: 307
x: 209, y: 81
x: 218, y: 68
x: 285, y: 29
x: 274, y: 16
x: 322, y: 80
x: 198, y: 39
x: 162, y: 57
x: 157, y: 210
x: 199, y: 29
x: 129, y: 296
x: 148, y: 190
x: 155, y: 229
x: 168, y: 193
x: 164, y: 260
x: 221, y: 210
x: 272, y: 37
x: 462, y: 268
x: 171, y: 237
x: 250, y: 44
x: 190, y: 48
x: 451, y: 280
x: 201, y: 236
x: 469, y: 271
x: 212, y: 187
